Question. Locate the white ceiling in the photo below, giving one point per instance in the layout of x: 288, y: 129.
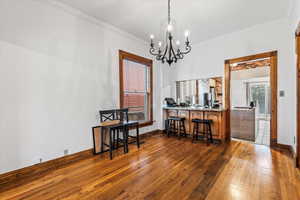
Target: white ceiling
x: 205, y: 19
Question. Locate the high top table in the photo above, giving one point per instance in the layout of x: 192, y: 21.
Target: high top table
x: 101, y: 141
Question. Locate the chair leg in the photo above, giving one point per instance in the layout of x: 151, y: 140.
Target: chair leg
x: 118, y: 138
x: 137, y: 136
x: 184, y: 131
x: 168, y: 127
x: 110, y: 143
x: 207, y: 133
x: 193, y: 134
x: 124, y: 140
x: 114, y: 139
x: 197, y: 131
x: 210, y: 134
x: 178, y: 129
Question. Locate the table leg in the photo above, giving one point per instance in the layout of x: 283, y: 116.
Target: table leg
x: 102, y: 139
x: 137, y: 136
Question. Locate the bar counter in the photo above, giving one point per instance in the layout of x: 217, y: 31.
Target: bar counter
x: 219, y: 117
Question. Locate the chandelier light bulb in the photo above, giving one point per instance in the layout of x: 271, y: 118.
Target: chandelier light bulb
x: 177, y: 42
x: 186, y: 33
x: 170, y: 28
x: 151, y: 36
x: 159, y: 43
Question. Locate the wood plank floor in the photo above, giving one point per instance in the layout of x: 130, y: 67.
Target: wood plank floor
x: 168, y: 168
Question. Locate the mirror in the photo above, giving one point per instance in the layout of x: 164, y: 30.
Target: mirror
x: 200, y: 92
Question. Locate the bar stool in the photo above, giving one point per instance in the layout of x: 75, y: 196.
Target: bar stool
x: 206, y: 129
x: 113, y: 132
x: 176, y: 126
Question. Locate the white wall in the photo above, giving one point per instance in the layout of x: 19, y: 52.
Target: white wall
x: 295, y: 14
x: 294, y: 20
x: 238, y: 93
x: 58, y: 67
x: 207, y: 59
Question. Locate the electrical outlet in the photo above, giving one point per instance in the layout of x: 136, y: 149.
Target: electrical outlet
x: 66, y: 152
x: 281, y: 93
x: 41, y: 160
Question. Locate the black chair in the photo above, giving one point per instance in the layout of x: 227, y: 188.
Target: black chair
x: 107, y: 115
x: 114, y: 132
x: 176, y: 126
x: 122, y: 115
x: 206, y: 129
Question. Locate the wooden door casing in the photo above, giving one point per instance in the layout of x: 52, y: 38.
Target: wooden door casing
x: 298, y: 95
x: 273, y: 55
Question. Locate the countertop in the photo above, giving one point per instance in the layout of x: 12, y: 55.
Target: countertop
x: 194, y: 108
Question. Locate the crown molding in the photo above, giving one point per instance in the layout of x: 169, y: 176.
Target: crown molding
x: 78, y: 13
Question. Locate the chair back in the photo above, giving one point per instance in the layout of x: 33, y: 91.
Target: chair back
x: 122, y: 114
x: 107, y: 115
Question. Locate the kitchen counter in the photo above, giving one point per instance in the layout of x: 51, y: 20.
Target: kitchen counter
x: 218, y: 116
x: 195, y: 108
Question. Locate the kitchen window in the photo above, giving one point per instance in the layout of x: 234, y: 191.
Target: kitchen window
x: 136, y: 87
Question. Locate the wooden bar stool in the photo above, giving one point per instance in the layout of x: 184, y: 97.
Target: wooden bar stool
x: 206, y: 129
x: 176, y: 126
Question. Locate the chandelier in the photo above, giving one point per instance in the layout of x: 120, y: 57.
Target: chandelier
x: 168, y: 53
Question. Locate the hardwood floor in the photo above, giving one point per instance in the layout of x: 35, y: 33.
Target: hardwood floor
x: 168, y: 168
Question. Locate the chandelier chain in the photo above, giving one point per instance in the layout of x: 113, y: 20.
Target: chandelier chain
x: 169, y: 12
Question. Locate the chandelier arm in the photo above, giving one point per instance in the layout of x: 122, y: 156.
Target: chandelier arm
x: 165, y: 52
x: 158, y: 57
x: 152, y: 52
x: 173, y: 53
x: 187, y: 50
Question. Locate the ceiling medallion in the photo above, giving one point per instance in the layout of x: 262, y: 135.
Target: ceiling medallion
x: 168, y: 53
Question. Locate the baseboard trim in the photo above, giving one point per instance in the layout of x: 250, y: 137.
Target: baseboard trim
x: 287, y: 147
x: 27, y: 174
x: 151, y: 133
x: 21, y: 176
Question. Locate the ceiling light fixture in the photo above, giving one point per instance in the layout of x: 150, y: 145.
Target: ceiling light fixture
x: 168, y: 53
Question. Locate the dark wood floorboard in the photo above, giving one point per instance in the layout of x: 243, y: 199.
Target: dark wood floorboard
x: 168, y: 168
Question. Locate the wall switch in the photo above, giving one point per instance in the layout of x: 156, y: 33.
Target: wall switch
x: 281, y: 93
x: 66, y: 152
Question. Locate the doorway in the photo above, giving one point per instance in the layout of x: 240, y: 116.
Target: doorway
x: 256, y: 106
x: 250, y: 102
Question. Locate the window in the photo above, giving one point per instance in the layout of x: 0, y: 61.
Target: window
x: 136, y: 87
x: 259, y: 93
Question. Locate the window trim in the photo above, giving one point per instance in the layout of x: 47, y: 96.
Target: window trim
x: 135, y: 58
